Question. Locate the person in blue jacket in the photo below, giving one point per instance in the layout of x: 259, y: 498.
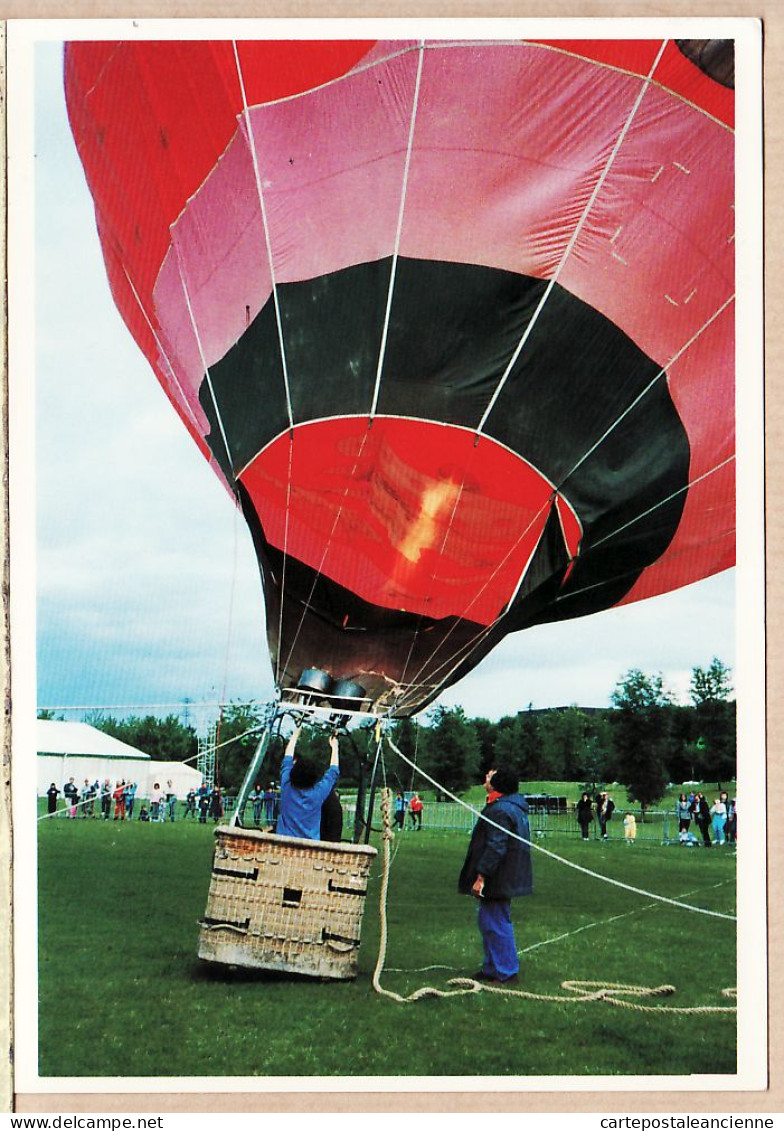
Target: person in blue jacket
x: 497, y: 868
x: 303, y: 790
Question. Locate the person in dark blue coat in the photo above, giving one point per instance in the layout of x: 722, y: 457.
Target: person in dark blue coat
x: 497, y: 868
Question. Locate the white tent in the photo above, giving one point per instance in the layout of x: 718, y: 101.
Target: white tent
x: 79, y: 751
x: 182, y: 777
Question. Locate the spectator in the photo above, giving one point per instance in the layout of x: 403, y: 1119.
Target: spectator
x: 203, y: 796
x: 303, y: 790
x: 144, y: 813
x: 605, y: 807
x: 52, y: 794
x: 497, y: 868
x: 71, y: 794
x: 156, y: 796
x: 216, y: 804
x: 702, y: 817
x: 732, y: 822
x: 171, y: 800
x: 257, y: 801
x: 190, y: 804
x: 130, y: 798
x: 584, y: 811
x: 106, y: 799
x: 718, y: 812
x: 684, y: 813
x: 630, y: 828
x: 119, y: 801
x: 86, y: 798
x: 415, y: 807
x: 400, y: 810
x: 269, y: 804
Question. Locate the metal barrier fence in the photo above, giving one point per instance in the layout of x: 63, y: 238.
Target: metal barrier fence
x: 658, y: 827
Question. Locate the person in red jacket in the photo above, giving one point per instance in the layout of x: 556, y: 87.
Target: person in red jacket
x: 415, y: 808
x: 119, y: 801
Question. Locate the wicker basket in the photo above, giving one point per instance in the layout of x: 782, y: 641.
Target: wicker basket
x: 281, y: 903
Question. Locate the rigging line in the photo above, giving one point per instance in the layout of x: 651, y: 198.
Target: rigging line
x: 633, y: 572
x: 435, y: 566
x: 452, y: 661
x: 204, y: 363
x: 285, y: 557
x: 574, y: 237
x: 263, y: 207
x: 661, y: 503
x: 475, y: 598
x: 183, y: 706
x: 479, y: 637
x: 612, y: 919
x: 231, y: 607
x: 561, y: 859
x: 163, y: 353
x: 567, y: 934
x: 399, y: 232
x: 318, y: 572
x: 662, y: 373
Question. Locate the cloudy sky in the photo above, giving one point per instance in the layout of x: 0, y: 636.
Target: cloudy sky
x: 147, y: 587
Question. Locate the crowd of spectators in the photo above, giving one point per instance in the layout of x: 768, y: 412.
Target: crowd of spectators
x: 117, y: 800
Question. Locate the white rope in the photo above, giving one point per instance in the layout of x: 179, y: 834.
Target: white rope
x: 631, y: 522
x: 566, y: 934
x: 279, y: 326
x: 663, y: 502
x: 414, y: 682
x: 399, y: 232
x: 574, y: 237
x: 285, y: 556
x: 204, y: 362
x: 432, y: 583
x: 263, y: 207
x: 318, y: 572
x: 561, y: 859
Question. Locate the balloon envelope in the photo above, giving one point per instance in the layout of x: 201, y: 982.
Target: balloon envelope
x: 453, y: 321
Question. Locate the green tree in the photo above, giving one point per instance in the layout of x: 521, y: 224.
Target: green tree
x: 642, y: 726
x: 485, y: 732
x: 712, y: 684
x: 406, y: 737
x: 715, y: 712
x: 165, y: 740
x: 517, y: 744
x: 238, y: 736
x: 562, y: 741
x: 451, y: 750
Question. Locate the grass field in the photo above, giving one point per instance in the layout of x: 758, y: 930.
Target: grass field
x: 122, y: 992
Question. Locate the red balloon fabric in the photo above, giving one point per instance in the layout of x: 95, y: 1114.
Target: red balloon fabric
x: 453, y: 320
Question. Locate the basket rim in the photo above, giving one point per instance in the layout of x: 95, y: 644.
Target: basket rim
x: 295, y: 841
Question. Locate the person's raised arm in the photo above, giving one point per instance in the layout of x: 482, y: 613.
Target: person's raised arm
x: 334, y: 751
x: 292, y: 742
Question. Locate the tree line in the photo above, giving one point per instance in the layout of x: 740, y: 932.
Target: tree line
x: 643, y: 741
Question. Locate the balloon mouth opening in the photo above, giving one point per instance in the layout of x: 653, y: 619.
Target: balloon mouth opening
x: 418, y: 519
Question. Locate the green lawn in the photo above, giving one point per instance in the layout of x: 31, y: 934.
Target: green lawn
x: 122, y: 992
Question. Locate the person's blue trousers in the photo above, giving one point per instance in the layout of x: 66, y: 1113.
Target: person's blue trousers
x: 498, y: 940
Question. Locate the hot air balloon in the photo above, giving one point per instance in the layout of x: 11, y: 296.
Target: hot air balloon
x: 452, y: 320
